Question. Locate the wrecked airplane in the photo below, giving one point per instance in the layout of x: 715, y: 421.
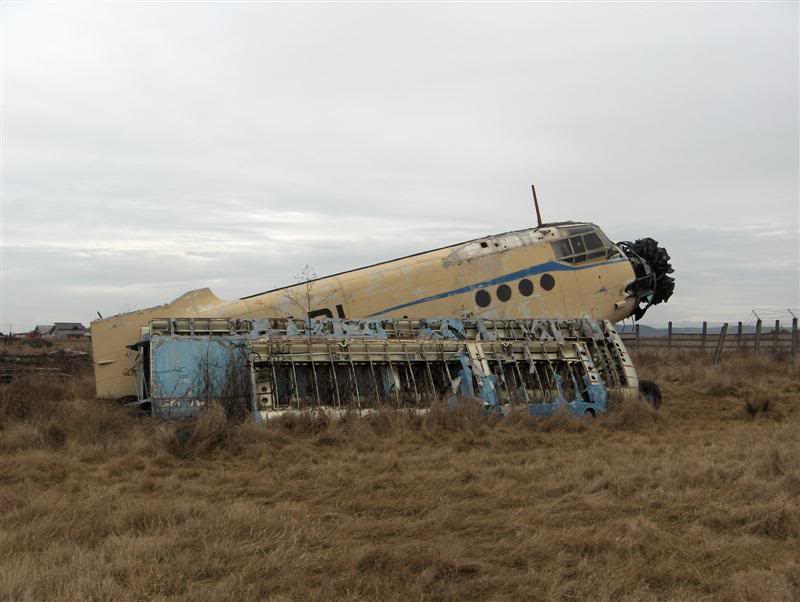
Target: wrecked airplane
x: 566, y: 270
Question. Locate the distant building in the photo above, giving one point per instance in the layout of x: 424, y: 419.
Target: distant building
x: 67, y: 330
x: 42, y: 330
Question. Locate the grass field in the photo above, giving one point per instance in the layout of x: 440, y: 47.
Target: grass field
x: 700, y: 500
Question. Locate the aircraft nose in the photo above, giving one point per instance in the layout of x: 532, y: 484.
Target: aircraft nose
x: 652, y: 268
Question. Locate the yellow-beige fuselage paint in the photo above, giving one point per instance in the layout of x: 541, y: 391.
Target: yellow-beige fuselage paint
x: 442, y: 282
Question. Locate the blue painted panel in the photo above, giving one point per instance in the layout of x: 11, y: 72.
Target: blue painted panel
x: 598, y: 402
x: 189, y: 367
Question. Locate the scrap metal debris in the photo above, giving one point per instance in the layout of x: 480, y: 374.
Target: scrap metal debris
x: 285, y: 364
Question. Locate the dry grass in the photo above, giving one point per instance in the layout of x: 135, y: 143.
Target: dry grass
x: 698, y: 501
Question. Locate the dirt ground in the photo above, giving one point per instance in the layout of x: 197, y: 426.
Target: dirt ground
x: 698, y: 501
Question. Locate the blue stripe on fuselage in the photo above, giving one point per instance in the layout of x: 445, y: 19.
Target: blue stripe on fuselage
x: 550, y: 266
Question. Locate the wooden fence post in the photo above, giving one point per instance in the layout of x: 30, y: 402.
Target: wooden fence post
x: 703, y: 340
x: 720, y: 345
x: 739, y: 336
x: 638, y: 342
x: 794, y: 337
x: 669, y: 336
x: 757, y: 345
x: 775, y: 335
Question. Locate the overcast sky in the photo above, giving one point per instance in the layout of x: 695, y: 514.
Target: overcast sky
x: 150, y: 149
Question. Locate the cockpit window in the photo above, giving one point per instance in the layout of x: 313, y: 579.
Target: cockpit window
x: 593, y: 241
x: 563, y: 248
x: 579, y: 229
x: 584, y: 243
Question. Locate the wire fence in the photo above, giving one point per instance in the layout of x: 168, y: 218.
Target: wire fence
x: 780, y: 337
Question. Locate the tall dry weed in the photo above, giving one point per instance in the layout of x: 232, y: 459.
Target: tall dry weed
x: 211, y: 432
x: 629, y: 414
x: 60, y: 411
x: 31, y: 398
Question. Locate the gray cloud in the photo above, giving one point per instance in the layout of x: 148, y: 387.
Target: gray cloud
x: 153, y: 148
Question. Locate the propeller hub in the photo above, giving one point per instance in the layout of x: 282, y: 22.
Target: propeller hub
x: 652, y: 282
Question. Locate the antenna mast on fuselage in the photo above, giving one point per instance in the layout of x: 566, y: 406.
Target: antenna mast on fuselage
x: 536, y: 204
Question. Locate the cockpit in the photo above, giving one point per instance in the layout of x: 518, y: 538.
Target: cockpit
x: 583, y: 243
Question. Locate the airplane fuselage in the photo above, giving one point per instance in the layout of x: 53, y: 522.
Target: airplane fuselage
x: 566, y: 270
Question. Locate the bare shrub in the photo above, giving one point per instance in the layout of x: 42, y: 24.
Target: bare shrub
x: 763, y: 407
x: 54, y: 437
x: 224, y: 384
x: 300, y: 297
x: 236, y: 392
